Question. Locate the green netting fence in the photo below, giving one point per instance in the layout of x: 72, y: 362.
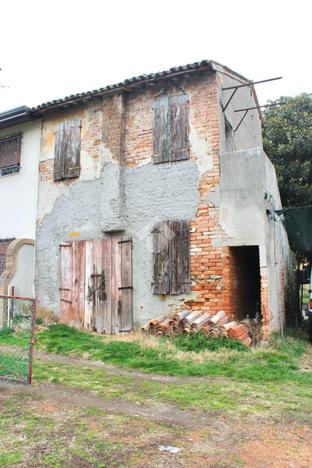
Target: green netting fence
x: 17, y: 324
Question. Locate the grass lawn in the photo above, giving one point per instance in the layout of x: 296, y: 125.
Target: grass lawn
x: 193, y: 355
x: 221, y: 402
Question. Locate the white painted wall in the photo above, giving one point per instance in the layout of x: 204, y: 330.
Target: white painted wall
x: 18, y: 192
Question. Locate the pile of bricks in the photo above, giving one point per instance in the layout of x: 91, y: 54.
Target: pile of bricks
x: 187, y: 321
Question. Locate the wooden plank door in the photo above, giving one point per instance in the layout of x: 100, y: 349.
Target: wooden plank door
x: 125, y: 322
x: 66, y: 281
x: 72, y: 283
x: 96, y: 284
x: 78, y: 283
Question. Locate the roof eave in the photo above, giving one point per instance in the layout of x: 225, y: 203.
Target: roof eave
x: 15, y: 116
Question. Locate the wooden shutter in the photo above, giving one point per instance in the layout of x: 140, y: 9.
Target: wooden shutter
x: 179, y: 258
x: 178, y: 127
x: 161, y: 258
x: 171, y: 258
x: 160, y: 131
x: 171, y: 128
x: 67, y: 150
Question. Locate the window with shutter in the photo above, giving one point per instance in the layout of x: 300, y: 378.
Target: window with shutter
x: 10, y: 154
x: 171, y: 258
x: 171, y: 128
x: 67, y: 150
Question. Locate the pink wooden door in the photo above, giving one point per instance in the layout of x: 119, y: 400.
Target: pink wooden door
x: 72, y: 283
x: 96, y: 284
x: 66, y: 281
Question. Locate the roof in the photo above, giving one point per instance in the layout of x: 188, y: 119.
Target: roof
x: 16, y: 115
x: 126, y: 85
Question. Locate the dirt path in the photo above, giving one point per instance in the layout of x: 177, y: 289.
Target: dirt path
x: 48, y: 424
x: 77, y: 398
x: 204, y: 439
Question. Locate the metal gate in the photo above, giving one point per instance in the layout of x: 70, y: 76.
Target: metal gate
x: 96, y: 284
x: 17, y: 328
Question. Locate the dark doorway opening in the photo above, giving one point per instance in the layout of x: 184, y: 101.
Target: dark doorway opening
x: 245, y: 279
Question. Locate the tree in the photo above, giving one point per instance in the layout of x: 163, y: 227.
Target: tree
x: 287, y: 140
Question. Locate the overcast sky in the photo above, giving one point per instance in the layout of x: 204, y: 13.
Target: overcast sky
x: 51, y: 49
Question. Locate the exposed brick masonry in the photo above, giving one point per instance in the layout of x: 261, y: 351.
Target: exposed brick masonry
x: 4, y: 243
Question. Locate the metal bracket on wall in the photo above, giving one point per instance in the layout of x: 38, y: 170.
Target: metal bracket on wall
x: 252, y: 108
x: 236, y: 87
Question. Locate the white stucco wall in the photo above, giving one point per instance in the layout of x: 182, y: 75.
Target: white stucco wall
x: 18, y: 192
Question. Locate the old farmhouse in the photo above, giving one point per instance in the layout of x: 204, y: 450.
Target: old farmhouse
x: 153, y: 196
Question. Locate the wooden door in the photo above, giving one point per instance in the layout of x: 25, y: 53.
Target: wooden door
x: 72, y: 283
x: 96, y: 284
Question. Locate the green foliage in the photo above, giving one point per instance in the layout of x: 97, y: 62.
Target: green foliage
x: 39, y: 321
x: 198, y: 342
x: 287, y: 139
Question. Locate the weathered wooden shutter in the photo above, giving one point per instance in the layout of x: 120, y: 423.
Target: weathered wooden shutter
x: 161, y: 281
x: 171, y: 258
x: 160, y: 131
x: 171, y: 128
x: 67, y: 150
x: 178, y: 127
x: 179, y: 258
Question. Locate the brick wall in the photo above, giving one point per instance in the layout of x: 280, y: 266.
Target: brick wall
x: 4, y: 243
x: 206, y: 258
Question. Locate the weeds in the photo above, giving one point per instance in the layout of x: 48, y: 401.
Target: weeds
x: 193, y: 355
x: 199, y: 342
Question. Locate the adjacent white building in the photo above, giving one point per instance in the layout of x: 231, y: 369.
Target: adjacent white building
x: 19, y: 155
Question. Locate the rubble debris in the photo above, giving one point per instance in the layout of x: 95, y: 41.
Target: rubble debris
x: 169, y: 448
x: 217, y: 325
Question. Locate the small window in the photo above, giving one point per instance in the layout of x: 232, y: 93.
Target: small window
x: 171, y: 241
x: 10, y: 154
x: 67, y: 150
x: 171, y: 128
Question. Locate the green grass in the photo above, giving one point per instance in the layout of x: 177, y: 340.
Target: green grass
x: 217, y: 394
x: 200, y: 356
x: 14, y: 362
x: 198, y: 342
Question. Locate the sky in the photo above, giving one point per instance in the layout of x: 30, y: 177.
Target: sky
x: 50, y: 49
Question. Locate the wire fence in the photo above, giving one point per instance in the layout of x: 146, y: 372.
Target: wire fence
x: 17, y: 324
